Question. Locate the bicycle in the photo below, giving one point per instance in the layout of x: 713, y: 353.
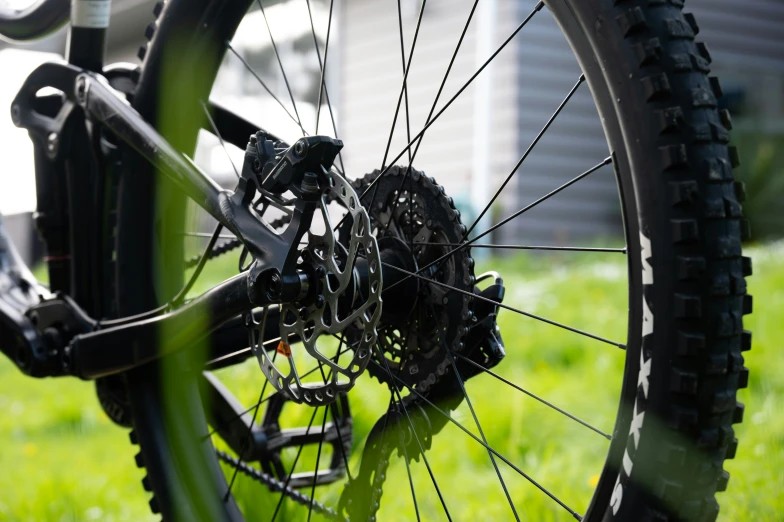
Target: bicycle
x: 114, y: 180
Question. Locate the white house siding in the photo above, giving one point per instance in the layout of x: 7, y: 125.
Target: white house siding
x: 547, y: 70
x: 746, y: 40
x: 372, y: 75
x: 531, y: 78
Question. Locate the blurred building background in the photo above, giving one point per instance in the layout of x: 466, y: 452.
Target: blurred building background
x: 480, y: 138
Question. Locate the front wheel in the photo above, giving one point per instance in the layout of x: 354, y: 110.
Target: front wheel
x: 672, y: 371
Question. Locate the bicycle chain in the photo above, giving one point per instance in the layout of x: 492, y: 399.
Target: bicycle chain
x: 276, y: 485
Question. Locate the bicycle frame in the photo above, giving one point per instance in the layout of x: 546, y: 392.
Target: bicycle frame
x: 72, y: 133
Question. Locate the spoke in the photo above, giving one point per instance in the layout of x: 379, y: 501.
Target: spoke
x: 207, y: 234
x: 318, y: 458
x: 408, y: 127
x: 385, y: 169
x: 473, y: 414
x: 334, y: 410
x: 264, y: 85
x: 326, y: 90
x: 527, y: 153
x: 255, y: 413
x: 244, y: 446
x: 521, y: 312
x: 510, y: 218
x: 205, y: 256
x: 220, y: 138
x: 408, y: 471
x: 526, y: 247
x: 533, y: 396
x: 323, y: 65
x: 405, y: 80
x: 412, y: 157
x: 268, y: 342
x: 413, y: 430
x: 256, y: 406
x: 405, y: 69
x: 293, y: 465
x: 478, y: 440
x: 280, y: 63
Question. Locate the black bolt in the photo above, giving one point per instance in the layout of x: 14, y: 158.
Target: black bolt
x: 300, y: 148
x: 52, y: 144
x: 81, y: 89
x: 321, y: 271
x: 320, y: 301
x: 273, y: 288
x: 310, y: 183
x: 257, y: 165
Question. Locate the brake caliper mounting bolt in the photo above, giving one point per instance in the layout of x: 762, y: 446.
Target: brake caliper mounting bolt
x: 300, y: 148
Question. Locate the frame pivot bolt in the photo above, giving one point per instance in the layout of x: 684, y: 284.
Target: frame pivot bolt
x: 52, y: 144
x: 16, y: 114
x: 274, y: 286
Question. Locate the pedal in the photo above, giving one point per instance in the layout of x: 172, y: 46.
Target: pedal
x: 338, y: 433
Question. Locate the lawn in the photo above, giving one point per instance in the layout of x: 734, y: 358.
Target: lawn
x: 62, y: 460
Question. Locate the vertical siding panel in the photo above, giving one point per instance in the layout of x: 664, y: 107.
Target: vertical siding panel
x: 531, y: 78
x: 371, y: 75
x: 574, y: 143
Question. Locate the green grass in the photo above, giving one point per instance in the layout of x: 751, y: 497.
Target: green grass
x: 61, y: 459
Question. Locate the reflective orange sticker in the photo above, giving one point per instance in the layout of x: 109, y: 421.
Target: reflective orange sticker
x: 284, y: 349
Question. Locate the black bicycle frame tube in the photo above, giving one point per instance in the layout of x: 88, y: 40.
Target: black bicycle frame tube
x: 104, y: 106
x: 117, y: 349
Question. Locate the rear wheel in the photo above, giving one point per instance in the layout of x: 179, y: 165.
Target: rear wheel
x: 683, y: 337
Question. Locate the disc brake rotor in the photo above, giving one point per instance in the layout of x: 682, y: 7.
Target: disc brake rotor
x: 342, y: 300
